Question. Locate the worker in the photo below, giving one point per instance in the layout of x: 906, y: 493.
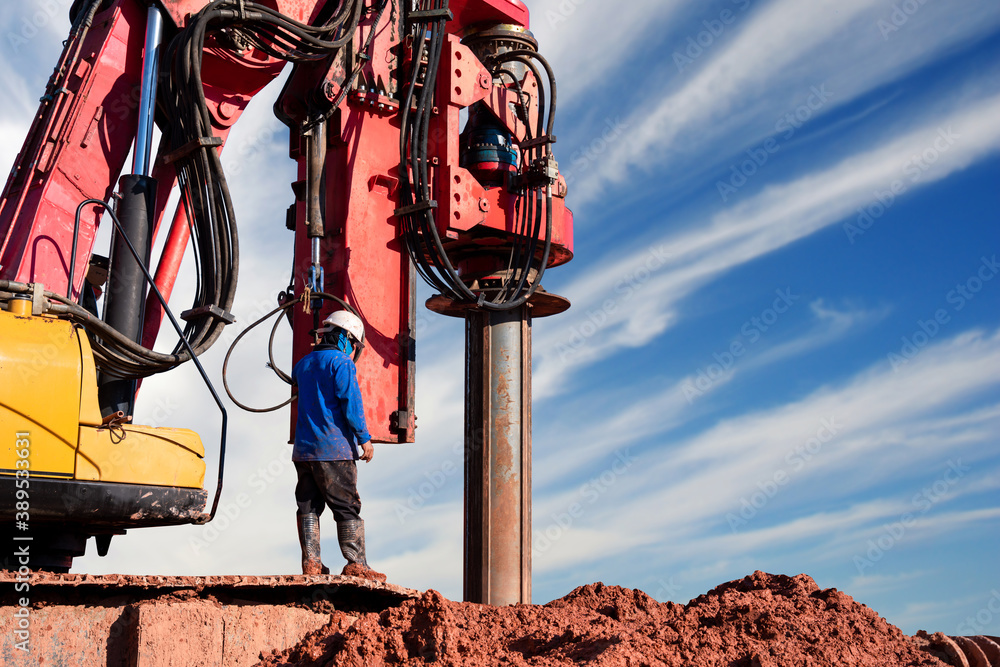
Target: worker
x: 93, y: 285
x: 330, y: 435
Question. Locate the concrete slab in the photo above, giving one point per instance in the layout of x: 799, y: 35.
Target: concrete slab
x: 156, y: 621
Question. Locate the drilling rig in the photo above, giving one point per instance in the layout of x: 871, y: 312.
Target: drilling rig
x: 423, y: 134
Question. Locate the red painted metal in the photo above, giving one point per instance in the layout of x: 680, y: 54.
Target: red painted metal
x: 180, y: 11
x: 466, y: 12
x: 81, y: 151
x: 78, y: 146
x: 230, y: 81
x: 364, y: 261
x: 471, y: 12
x: 471, y: 215
x: 78, y: 155
x: 84, y: 145
x: 503, y: 101
x: 367, y: 266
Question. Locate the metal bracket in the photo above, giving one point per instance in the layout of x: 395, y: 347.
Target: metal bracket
x: 428, y: 15
x: 38, y: 301
x: 415, y: 208
x: 374, y: 102
x: 538, y: 141
x: 190, y: 147
x: 399, y: 420
x: 212, y: 310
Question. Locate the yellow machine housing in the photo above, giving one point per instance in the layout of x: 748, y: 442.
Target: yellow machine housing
x: 50, y: 392
x: 86, y: 477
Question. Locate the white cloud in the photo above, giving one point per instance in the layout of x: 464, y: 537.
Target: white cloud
x: 866, y: 583
x: 630, y: 299
x: 562, y: 26
x: 701, y: 480
x: 931, y: 614
x: 830, y: 325
x: 742, y: 88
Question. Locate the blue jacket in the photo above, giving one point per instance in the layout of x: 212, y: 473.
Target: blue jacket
x: 331, y: 418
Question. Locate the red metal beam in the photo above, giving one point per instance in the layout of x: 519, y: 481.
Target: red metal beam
x: 364, y: 261
x: 75, y: 150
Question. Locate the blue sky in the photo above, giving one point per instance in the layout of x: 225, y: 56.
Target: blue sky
x: 784, y: 348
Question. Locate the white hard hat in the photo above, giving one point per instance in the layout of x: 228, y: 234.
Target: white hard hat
x: 346, y: 320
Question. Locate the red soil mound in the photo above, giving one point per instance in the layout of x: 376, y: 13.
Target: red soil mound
x: 763, y: 620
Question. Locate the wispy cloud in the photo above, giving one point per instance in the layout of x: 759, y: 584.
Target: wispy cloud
x: 689, y: 465
x: 866, y: 583
x: 630, y: 299
x: 830, y: 325
x: 561, y: 26
x: 680, y: 402
x: 930, y: 614
x: 701, y: 479
x: 743, y: 87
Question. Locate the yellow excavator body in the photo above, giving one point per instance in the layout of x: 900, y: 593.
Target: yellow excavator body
x: 49, y: 394
x: 73, y: 474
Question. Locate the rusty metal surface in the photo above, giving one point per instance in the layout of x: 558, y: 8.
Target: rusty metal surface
x: 525, y: 555
x: 973, y: 653
x: 54, y: 581
x: 476, y: 534
x: 498, y: 458
x: 969, y: 651
x: 506, y: 490
x: 990, y: 646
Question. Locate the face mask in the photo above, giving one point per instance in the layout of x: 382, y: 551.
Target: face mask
x: 339, y: 340
x: 344, y: 344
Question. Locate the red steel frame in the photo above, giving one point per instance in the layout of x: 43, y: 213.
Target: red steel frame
x: 78, y: 155
x: 364, y: 261
x: 83, y: 153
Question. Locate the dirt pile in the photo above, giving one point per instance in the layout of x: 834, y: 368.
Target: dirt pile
x: 763, y: 620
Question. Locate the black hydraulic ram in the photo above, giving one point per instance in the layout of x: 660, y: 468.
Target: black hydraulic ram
x: 126, y: 293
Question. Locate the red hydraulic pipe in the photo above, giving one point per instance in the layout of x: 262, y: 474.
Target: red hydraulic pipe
x: 166, y: 273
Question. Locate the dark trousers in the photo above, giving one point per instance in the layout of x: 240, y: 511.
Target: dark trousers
x: 333, y: 483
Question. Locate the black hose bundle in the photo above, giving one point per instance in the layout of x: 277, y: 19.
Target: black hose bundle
x: 204, y: 190
x: 534, y: 179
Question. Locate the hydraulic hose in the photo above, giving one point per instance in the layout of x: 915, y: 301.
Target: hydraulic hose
x: 270, y: 348
x: 533, y: 208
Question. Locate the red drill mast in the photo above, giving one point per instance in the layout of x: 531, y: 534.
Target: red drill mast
x: 391, y: 184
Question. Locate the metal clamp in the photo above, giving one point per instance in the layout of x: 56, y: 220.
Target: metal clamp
x: 210, y: 309
x: 428, y: 15
x: 538, y: 141
x: 190, y: 147
x: 39, y: 303
x: 415, y: 208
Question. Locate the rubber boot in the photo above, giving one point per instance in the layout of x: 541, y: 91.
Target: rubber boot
x: 309, y: 542
x: 351, y: 535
